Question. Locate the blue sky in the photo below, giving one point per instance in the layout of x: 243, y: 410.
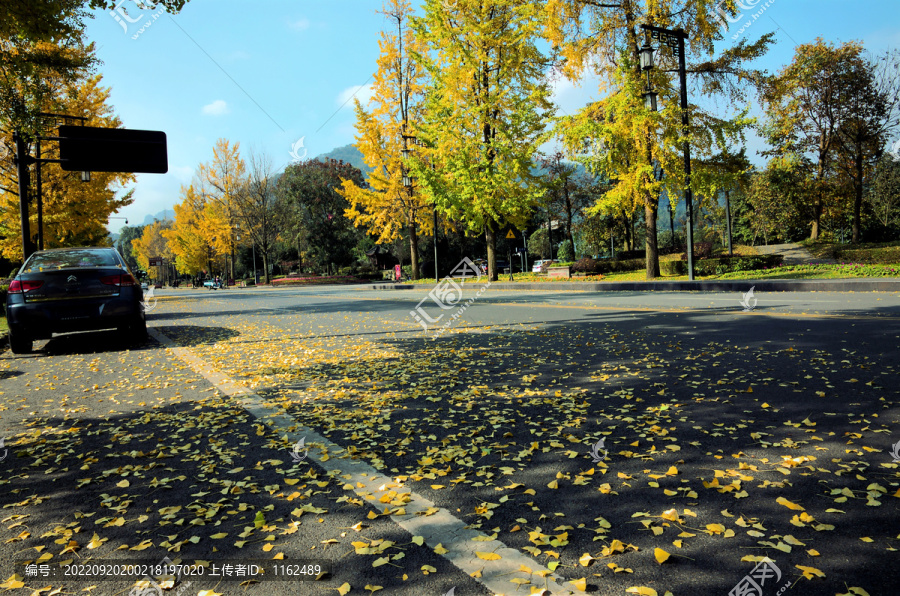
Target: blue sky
x: 267, y: 74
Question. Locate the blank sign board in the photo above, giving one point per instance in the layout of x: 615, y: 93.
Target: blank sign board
x: 90, y: 149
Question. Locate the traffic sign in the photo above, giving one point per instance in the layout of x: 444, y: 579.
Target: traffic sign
x: 93, y: 149
x: 510, y: 234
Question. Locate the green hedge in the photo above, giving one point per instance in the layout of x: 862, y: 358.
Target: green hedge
x: 721, y: 264
x: 888, y: 255
x: 672, y: 268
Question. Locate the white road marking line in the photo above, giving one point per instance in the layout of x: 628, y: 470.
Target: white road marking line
x: 440, y: 528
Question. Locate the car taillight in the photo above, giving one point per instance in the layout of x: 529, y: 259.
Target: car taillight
x: 19, y: 287
x: 118, y: 280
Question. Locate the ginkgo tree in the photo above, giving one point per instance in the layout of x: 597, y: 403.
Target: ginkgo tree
x: 186, y: 238
x: 152, y: 244
x: 385, y: 206
x: 485, y: 113
x: 222, y: 181
x: 617, y: 137
x: 74, y: 212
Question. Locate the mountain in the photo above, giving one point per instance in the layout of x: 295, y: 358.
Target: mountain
x: 162, y: 215
x: 348, y: 154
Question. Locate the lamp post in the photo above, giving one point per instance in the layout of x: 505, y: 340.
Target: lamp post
x: 675, y: 41
x: 407, y: 181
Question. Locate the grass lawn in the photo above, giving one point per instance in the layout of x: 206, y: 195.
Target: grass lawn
x: 3, y: 326
x: 817, y: 271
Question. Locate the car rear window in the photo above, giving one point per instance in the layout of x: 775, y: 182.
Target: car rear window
x: 70, y: 259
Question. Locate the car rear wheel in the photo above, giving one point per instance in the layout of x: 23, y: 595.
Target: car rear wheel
x: 19, y: 343
x: 134, y: 332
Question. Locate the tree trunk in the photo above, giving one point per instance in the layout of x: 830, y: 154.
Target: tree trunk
x: 414, y: 250
x: 490, y: 238
x: 549, y: 234
x: 568, y: 214
x: 651, y: 253
x: 857, y: 199
x: 817, y: 216
x: 671, y: 224
x: 728, y: 220
x: 265, y: 257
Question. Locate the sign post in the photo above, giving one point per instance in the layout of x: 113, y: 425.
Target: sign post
x: 510, y: 236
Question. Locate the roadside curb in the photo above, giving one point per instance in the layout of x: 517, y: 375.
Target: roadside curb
x: 772, y: 285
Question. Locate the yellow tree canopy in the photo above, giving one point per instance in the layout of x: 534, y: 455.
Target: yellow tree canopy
x: 75, y: 212
x: 221, y: 182
x: 152, y: 243
x: 385, y: 206
x: 486, y: 110
x: 185, y: 239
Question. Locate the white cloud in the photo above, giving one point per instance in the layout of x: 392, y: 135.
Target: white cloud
x: 299, y: 25
x: 363, y: 93
x: 216, y: 108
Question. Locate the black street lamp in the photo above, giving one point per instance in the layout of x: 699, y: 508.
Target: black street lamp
x: 675, y: 41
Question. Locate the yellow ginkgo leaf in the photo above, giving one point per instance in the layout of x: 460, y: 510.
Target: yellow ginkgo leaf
x: 581, y: 584
x: 585, y: 559
x: 123, y: 484
x: 810, y: 572
x: 642, y: 590
x: 14, y: 582
x: 418, y: 540
x: 661, y: 555
x: 487, y: 556
x: 344, y: 589
x: 439, y: 549
x: 371, y: 588
x: 789, y: 504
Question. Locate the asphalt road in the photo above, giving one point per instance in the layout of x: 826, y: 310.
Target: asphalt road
x: 727, y: 433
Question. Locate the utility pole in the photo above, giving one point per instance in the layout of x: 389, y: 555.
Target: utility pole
x: 23, y: 160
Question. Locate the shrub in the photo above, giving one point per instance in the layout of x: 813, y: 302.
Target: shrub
x: 617, y: 266
x: 726, y: 264
x: 586, y: 265
x: 566, y: 252
x: 702, y: 250
x: 672, y: 268
x: 887, y: 255
x: 630, y: 255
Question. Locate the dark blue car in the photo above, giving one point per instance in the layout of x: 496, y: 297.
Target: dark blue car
x: 66, y: 290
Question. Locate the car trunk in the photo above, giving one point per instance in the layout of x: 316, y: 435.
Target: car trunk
x: 70, y: 284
